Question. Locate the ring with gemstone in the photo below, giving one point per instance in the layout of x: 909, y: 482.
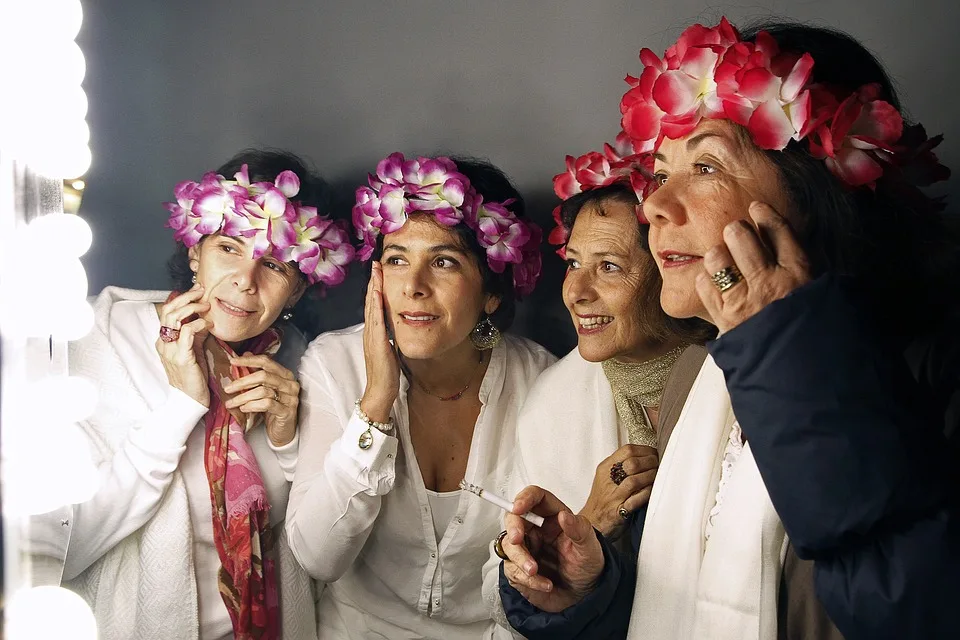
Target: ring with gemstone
x: 169, y: 334
x: 617, y: 474
x: 623, y: 513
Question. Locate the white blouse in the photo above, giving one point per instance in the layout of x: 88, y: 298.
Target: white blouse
x: 360, y: 520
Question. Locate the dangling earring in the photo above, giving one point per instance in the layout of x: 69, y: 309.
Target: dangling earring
x: 194, y: 279
x: 485, y: 335
x: 287, y: 315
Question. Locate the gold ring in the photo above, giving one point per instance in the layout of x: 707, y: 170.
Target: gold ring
x: 623, y: 513
x: 498, y: 545
x: 727, y: 277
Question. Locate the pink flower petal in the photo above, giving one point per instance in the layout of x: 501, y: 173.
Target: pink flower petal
x: 288, y: 183
x: 794, y: 83
x: 759, y: 85
x: 855, y: 167
x: 769, y: 126
x: 676, y: 92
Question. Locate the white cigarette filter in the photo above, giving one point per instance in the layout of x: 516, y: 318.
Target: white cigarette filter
x: 503, y: 503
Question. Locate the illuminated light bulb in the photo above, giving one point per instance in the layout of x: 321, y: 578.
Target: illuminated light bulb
x: 76, y: 399
x: 49, y: 612
x: 79, y: 185
x: 40, y: 479
x: 74, y: 321
x: 61, y: 162
x: 64, y: 233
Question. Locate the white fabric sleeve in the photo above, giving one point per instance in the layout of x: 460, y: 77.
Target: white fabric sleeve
x: 132, y: 482
x: 337, y: 488
x: 287, y: 455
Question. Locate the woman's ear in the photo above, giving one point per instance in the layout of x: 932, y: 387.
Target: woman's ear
x: 193, y: 253
x: 492, y: 304
x: 294, y: 298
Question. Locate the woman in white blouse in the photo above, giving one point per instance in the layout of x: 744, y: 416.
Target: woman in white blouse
x: 195, y: 432
x: 396, y: 412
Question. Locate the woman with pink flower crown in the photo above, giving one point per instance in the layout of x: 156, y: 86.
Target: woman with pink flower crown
x: 808, y: 488
x: 397, y: 412
x: 195, y: 433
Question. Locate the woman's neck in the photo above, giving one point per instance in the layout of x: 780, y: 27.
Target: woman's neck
x: 648, y: 351
x: 448, y: 373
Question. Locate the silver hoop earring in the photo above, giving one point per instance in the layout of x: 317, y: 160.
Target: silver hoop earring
x: 485, y: 335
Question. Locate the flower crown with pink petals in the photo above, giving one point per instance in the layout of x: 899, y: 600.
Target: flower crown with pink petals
x: 711, y: 73
x: 593, y: 170
x: 402, y: 187
x: 264, y: 211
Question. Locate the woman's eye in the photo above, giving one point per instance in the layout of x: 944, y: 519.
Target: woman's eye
x: 572, y: 264
x: 608, y: 266
x: 659, y: 179
x: 445, y: 263
x: 705, y: 168
x: 393, y: 260
x: 274, y: 266
x: 226, y: 248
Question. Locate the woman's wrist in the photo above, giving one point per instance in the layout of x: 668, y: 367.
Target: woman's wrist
x: 376, y: 408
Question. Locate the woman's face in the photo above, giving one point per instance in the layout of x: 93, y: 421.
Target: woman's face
x: 706, y: 180
x: 433, y: 288
x: 246, y: 296
x: 611, y: 287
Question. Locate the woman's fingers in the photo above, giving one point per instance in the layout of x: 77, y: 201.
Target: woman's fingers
x: 520, y: 579
x: 638, y: 499
x: 188, y: 335
x: 263, y: 378
x: 175, y: 318
x: 777, y: 234
x: 638, y: 464
x: 263, y: 397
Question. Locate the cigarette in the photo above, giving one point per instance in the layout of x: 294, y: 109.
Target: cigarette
x: 503, y: 503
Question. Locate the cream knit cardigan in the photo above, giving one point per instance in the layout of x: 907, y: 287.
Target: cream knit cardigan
x: 145, y: 587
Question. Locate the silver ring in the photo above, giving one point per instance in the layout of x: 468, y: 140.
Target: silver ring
x: 276, y: 396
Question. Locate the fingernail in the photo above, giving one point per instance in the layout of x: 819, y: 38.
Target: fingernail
x: 528, y: 567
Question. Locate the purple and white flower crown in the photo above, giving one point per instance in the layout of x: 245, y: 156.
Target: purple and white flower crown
x: 265, y: 212
x: 403, y: 187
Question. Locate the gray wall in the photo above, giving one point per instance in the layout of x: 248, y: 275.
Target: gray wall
x: 177, y: 87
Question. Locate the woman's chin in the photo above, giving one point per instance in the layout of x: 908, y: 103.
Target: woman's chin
x: 681, y: 304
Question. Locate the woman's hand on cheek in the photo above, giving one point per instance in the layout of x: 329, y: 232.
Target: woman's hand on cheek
x: 382, y: 364
x: 770, y: 261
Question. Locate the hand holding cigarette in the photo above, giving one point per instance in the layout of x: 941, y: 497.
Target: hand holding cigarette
x: 501, y: 502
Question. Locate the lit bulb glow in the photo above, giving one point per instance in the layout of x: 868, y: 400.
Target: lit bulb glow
x: 49, y: 612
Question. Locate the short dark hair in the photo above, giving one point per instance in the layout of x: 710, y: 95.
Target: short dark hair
x: 264, y: 165
x: 657, y: 323
x: 892, y: 240
x: 494, y: 185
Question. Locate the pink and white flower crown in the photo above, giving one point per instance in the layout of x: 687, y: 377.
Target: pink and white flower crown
x: 593, y: 170
x: 402, y: 187
x: 712, y: 73
x: 265, y: 212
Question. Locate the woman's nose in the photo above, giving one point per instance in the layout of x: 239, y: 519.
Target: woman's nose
x: 663, y: 206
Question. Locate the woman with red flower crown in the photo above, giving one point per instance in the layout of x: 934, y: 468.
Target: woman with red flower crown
x: 400, y: 413
x: 195, y: 435
x: 809, y: 485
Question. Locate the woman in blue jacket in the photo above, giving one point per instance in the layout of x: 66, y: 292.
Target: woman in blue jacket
x: 787, y: 212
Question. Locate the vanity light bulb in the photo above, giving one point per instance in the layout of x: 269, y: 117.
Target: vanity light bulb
x: 49, y: 612
x: 64, y: 233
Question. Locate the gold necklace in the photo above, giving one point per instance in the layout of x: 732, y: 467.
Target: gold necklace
x: 458, y: 394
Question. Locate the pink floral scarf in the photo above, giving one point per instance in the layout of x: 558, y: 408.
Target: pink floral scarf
x: 241, y: 512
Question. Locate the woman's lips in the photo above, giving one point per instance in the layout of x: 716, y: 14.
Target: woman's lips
x: 230, y: 309
x: 592, y: 324
x: 417, y: 319
x: 671, y: 259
